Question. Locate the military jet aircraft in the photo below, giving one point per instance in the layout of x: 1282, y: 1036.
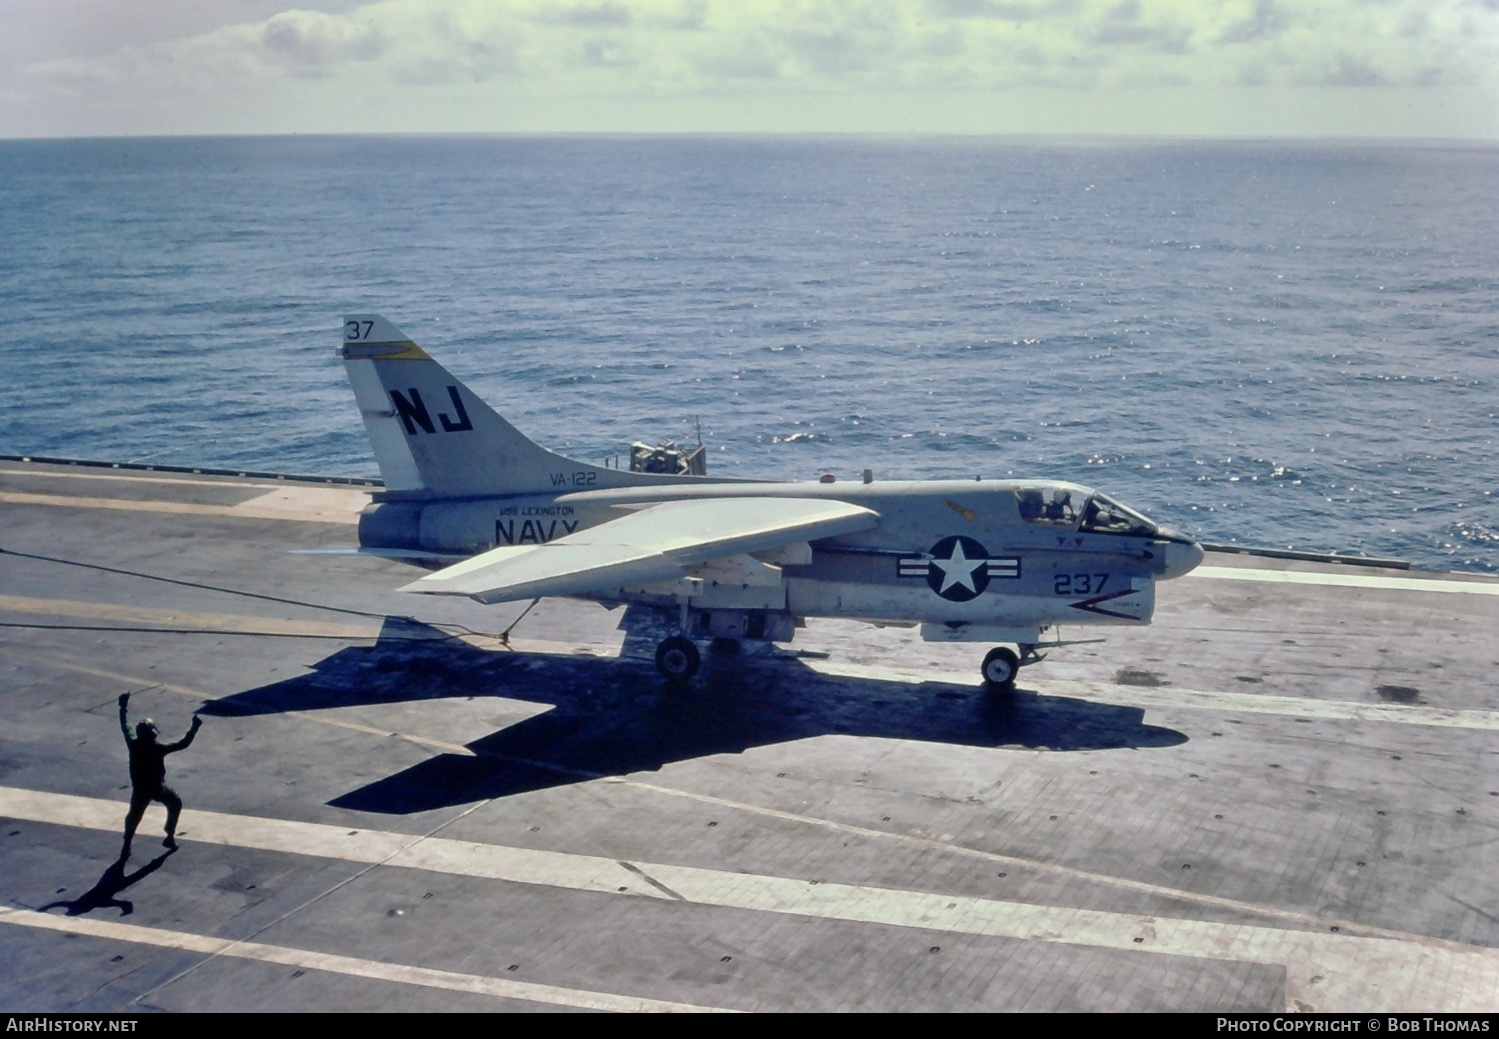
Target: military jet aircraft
x: 996, y: 561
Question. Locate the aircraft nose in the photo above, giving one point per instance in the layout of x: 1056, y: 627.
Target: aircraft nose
x: 1181, y: 556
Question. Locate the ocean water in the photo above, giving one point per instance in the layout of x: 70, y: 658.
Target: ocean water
x: 1289, y: 344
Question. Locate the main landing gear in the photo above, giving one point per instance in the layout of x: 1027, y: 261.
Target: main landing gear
x: 677, y: 659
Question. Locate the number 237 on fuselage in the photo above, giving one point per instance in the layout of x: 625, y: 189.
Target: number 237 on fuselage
x: 997, y: 561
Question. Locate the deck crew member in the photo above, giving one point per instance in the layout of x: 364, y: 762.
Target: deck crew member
x: 148, y: 774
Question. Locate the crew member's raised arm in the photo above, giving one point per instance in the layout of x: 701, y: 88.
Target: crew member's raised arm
x: 187, y: 740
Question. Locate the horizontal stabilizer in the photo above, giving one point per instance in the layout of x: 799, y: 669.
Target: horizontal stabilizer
x: 650, y: 546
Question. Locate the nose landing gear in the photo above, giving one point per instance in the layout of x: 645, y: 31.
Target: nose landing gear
x: 1001, y: 665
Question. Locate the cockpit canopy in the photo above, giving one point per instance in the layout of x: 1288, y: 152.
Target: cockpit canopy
x: 1104, y: 515
x: 1042, y: 503
x: 1077, y: 508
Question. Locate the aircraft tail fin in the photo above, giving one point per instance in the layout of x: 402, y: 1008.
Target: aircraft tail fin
x: 432, y: 436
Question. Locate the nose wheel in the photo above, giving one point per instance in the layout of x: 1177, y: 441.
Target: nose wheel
x: 677, y: 659
x: 1001, y: 665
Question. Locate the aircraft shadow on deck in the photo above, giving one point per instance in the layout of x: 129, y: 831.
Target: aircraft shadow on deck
x: 614, y: 717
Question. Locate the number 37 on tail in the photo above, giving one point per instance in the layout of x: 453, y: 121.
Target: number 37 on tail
x: 988, y: 561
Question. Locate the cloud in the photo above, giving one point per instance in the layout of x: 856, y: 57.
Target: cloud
x: 311, y: 43
x: 1347, y: 70
x: 423, y: 56
x: 1005, y: 10
x: 610, y: 15
x: 1266, y: 21
x: 1126, y: 26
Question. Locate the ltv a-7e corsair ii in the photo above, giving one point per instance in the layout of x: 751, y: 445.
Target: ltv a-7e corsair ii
x: 996, y: 561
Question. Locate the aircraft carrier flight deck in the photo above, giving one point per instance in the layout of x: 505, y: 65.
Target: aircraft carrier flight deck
x: 1281, y: 795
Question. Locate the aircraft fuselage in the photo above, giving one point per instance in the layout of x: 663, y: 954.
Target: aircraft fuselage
x: 506, y: 519
x: 955, y: 552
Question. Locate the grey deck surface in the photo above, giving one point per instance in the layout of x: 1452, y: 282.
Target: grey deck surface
x: 1282, y: 795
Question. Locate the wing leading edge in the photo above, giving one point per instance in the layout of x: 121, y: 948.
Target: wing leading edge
x: 651, y: 546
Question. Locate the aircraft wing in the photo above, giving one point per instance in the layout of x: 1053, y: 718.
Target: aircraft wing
x: 650, y: 546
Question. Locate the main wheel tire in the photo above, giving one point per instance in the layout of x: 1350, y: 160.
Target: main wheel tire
x: 677, y: 659
x: 1001, y: 665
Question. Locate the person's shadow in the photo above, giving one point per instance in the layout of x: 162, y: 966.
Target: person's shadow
x: 103, y: 894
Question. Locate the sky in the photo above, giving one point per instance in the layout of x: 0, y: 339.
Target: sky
x: 1251, y: 68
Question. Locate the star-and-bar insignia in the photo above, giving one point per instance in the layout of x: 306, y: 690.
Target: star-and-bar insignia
x: 958, y: 568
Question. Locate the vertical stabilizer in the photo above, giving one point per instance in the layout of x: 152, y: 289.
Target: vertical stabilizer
x: 433, y: 437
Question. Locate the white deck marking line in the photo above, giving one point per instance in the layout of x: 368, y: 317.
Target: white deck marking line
x: 1458, y: 585
x: 309, y: 500
x: 249, y: 624
x: 1293, y: 916
x: 1173, y: 697
x: 1289, y: 706
x: 137, y: 476
x: 371, y: 847
x: 168, y: 618
x: 318, y: 717
x: 376, y: 970
x: 1324, y: 972
x: 1116, y: 693
x: 245, y: 511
